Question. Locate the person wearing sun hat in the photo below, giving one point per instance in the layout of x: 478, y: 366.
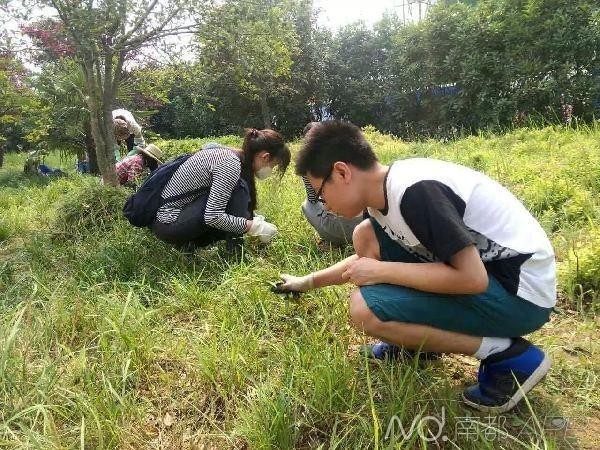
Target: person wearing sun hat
x: 132, y: 167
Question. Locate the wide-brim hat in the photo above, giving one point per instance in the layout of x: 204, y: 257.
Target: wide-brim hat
x: 153, y: 152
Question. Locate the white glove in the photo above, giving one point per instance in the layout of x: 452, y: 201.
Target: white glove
x: 297, y: 284
x: 264, y: 230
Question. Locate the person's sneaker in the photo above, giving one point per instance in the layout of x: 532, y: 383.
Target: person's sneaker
x: 382, y: 350
x: 505, y: 377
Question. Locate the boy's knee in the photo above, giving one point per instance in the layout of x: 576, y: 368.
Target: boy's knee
x: 362, y: 317
x: 365, y: 241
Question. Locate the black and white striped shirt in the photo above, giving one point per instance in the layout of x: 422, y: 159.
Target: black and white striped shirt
x: 311, y: 195
x: 216, y: 168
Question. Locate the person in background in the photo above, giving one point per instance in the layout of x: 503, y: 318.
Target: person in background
x: 35, y: 164
x: 133, y: 167
x: 127, y: 130
x: 215, y: 192
x: 83, y: 163
x: 333, y: 230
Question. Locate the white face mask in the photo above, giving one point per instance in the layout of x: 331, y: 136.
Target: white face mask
x: 264, y: 172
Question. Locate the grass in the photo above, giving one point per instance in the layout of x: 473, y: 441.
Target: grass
x: 111, y: 339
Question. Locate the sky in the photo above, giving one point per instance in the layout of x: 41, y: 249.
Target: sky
x: 337, y: 13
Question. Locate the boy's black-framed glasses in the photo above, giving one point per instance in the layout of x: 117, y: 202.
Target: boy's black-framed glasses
x: 320, y: 191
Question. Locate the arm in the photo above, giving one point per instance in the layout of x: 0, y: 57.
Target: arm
x: 434, y: 212
x: 138, y: 139
x: 464, y: 274
x: 225, y: 176
x: 333, y: 274
x: 117, y: 152
x: 326, y: 277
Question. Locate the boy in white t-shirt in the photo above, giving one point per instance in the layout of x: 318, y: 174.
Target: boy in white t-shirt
x: 449, y: 262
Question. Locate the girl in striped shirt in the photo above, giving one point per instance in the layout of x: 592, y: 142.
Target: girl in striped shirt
x: 225, y: 177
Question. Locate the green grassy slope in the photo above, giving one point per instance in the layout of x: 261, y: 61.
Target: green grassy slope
x: 111, y: 339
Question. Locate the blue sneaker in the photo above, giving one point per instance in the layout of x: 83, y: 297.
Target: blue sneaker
x: 505, y: 377
x: 382, y: 350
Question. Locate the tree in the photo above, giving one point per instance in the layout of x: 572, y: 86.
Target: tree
x: 61, y: 89
x: 10, y: 100
x: 105, y: 35
x: 358, y: 71
x: 307, y: 97
x: 481, y: 66
x: 22, y: 120
x: 196, y: 104
x: 250, y: 47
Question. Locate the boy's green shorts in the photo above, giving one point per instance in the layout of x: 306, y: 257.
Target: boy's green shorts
x: 495, y: 312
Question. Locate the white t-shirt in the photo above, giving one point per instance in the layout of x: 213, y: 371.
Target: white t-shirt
x: 435, y: 209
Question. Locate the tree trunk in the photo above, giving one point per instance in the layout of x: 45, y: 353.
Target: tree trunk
x: 101, y: 124
x: 90, y: 148
x: 104, y: 151
x: 264, y: 110
x: 1, y: 155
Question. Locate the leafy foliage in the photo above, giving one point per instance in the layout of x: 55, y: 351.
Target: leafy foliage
x: 61, y: 90
x: 23, y: 121
x: 467, y: 66
x: 259, y: 65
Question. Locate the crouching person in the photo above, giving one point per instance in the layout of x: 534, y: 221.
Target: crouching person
x: 127, y: 131
x: 332, y: 229
x: 212, y: 195
x: 449, y: 262
x: 132, y: 168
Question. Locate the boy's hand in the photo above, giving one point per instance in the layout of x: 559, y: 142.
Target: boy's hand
x: 296, y: 284
x: 363, y: 272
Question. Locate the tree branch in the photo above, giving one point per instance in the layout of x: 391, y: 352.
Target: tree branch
x: 149, y: 35
x: 119, y: 70
x: 157, y: 34
x: 138, y: 23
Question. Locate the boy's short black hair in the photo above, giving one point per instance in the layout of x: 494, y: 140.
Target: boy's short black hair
x: 332, y: 141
